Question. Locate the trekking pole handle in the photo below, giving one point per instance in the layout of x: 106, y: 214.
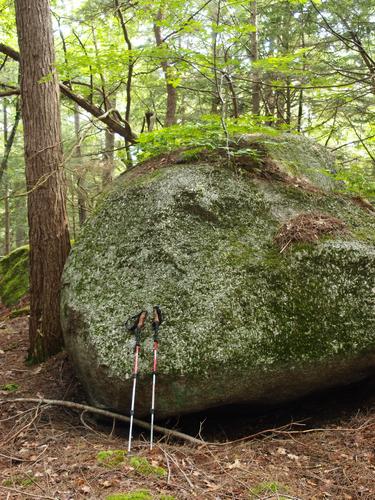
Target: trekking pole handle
x: 141, y: 320
x: 157, y: 319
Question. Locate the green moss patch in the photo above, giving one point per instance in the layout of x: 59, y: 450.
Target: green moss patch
x: 19, y: 480
x: 268, y: 487
x: 12, y: 387
x: 132, y: 495
x: 14, y: 276
x: 111, y: 458
x: 143, y: 466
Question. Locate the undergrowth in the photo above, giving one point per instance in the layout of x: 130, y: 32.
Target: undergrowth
x: 208, y: 134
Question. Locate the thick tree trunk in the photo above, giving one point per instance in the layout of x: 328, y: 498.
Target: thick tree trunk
x: 48, y: 229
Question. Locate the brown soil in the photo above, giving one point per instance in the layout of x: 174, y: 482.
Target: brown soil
x: 51, y: 452
x: 308, y: 228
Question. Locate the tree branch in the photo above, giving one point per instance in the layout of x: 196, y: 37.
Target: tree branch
x: 106, y: 413
x: 7, y: 93
x: 123, y: 130
x: 10, y: 140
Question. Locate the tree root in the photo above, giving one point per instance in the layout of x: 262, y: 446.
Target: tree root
x: 92, y: 409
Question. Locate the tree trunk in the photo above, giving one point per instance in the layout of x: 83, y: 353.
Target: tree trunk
x: 170, y: 116
x: 300, y: 111
x: 108, y: 158
x: 20, y: 237
x: 48, y: 228
x: 8, y: 144
x: 6, y: 187
x: 255, y: 85
x: 81, y: 173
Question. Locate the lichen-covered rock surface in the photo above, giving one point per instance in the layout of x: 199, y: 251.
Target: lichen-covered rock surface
x: 244, y: 322
x: 14, y: 276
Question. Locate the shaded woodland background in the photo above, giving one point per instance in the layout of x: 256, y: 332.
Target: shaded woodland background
x: 194, y: 73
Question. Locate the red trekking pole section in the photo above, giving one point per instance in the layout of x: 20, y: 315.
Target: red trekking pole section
x: 157, y: 320
x: 136, y: 328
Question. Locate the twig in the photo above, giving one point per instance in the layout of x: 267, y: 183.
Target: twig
x: 182, y: 472
x: 11, y: 438
x: 260, y: 433
x: 15, y: 459
x: 106, y: 413
x: 169, y: 467
x: 28, y: 494
x: 87, y: 426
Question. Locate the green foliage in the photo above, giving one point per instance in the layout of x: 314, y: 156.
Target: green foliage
x: 14, y: 276
x: 111, y: 458
x: 143, y: 466
x: 11, y: 387
x: 359, y: 178
x: 208, y: 133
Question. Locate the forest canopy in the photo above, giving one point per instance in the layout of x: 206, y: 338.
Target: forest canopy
x: 141, y: 78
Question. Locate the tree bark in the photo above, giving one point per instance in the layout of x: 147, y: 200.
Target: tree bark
x: 48, y: 228
x: 81, y: 173
x: 170, y: 116
x: 255, y: 85
x: 108, y: 158
x: 6, y: 187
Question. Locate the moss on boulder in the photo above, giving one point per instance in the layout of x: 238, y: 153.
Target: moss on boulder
x: 14, y: 276
x: 243, y: 322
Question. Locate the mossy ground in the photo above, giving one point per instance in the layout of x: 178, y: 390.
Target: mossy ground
x: 269, y: 488
x: 111, y: 458
x: 115, y: 458
x: 14, y: 276
x: 198, y: 240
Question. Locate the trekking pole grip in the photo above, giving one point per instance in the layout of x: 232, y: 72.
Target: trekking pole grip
x: 157, y: 320
x: 141, y: 320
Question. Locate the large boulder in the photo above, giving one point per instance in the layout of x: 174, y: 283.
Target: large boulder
x: 14, y: 276
x: 264, y: 273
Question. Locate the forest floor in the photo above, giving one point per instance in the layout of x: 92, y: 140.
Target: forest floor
x: 319, y: 448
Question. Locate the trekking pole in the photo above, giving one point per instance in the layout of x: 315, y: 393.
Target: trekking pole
x: 136, y: 328
x: 157, y: 320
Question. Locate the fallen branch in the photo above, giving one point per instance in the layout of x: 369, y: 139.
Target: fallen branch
x: 106, y: 413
